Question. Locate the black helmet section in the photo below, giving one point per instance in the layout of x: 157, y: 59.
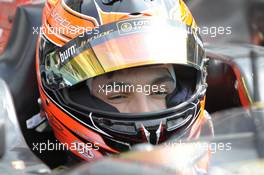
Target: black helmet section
x: 91, y: 7
x: 153, y: 131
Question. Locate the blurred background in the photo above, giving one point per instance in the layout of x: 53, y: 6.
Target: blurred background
x: 225, y: 20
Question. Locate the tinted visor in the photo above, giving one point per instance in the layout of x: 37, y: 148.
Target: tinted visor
x: 125, y: 44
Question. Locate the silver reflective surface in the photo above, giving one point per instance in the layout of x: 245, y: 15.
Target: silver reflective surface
x: 17, y: 158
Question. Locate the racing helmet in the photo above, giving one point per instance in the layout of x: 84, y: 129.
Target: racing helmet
x: 84, y: 39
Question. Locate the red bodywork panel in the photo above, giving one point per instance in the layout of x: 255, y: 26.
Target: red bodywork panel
x: 7, y: 14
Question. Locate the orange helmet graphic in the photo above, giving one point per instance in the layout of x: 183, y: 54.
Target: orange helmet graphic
x: 85, y: 39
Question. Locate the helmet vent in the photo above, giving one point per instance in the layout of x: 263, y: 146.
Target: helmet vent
x: 136, y: 13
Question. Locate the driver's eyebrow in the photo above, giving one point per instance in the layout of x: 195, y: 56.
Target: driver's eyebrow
x: 162, y: 79
x: 120, y: 83
x: 115, y: 83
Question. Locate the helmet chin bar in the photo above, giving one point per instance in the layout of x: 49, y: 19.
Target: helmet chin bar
x: 153, y: 131
x: 125, y: 131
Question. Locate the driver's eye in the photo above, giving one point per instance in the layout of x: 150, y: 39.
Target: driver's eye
x: 164, y: 90
x: 116, y: 97
x: 160, y: 93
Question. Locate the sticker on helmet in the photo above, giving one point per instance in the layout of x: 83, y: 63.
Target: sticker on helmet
x: 133, y: 26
